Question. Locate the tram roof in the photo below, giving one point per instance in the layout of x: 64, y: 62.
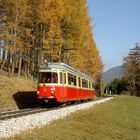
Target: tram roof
x: 64, y: 67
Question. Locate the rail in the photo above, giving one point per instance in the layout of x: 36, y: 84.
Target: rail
x: 23, y: 112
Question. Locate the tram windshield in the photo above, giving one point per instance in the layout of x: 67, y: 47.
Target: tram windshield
x: 48, y: 77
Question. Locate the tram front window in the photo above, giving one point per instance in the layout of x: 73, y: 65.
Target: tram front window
x: 48, y: 77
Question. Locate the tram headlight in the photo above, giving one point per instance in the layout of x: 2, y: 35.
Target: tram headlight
x: 52, y: 90
x: 37, y: 92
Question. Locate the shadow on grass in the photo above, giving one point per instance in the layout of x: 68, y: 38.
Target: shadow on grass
x: 26, y: 99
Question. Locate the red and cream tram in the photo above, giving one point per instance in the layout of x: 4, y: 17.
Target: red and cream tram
x: 61, y: 83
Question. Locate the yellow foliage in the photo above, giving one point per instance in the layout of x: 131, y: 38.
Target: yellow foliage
x: 60, y: 29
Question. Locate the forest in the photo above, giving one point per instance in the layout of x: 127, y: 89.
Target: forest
x: 130, y: 82
x: 34, y: 31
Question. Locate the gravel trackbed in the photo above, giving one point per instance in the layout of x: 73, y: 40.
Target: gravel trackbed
x: 9, y: 128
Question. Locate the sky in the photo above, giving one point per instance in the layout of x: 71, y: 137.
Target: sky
x: 116, y: 28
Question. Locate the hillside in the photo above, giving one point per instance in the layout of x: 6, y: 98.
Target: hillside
x: 16, y: 92
x: 111, y: 74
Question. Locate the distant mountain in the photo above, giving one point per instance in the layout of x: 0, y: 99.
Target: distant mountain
x: 111, y: 74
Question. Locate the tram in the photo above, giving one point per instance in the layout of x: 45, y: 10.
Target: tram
x: 59, y: 82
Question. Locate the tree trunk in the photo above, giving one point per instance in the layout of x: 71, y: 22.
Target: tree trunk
x: 13, y: 68
x: 25, y: 70
x: 19, y: 66
x: 60, y: 53
x: 8, y: 63
x: 9, y: 70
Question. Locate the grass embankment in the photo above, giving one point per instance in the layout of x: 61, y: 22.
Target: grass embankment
x: 113, y: 120
x: 14, y: 92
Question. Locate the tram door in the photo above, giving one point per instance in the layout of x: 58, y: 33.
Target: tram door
x: 63, y: 88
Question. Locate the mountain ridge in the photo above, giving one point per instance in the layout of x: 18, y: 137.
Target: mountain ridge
x: 112, y: 73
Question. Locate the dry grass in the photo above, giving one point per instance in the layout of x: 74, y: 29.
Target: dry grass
x: 118, y: 119
x: 10, y: 87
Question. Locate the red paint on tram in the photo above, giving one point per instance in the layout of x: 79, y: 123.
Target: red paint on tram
x: 64, y: 84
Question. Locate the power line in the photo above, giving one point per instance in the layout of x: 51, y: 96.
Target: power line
x: 83, y: 61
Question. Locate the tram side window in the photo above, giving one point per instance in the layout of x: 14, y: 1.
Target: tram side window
x: 92, y: 85
x: 79, y: 79
x: 54, y: 78
x: 64, y: 78
x: 74, y: 80
x: 89, y: 85
x: 84, y: 83
x: 71, y: 79
x: 61, y: 78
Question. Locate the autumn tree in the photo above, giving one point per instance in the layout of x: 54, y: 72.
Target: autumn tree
x: 132, y: 67
x: 86, y: 57
x: 55, y: 30
x: 15, y: 31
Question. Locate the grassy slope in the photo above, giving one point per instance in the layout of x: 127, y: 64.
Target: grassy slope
x: 10, y: 88
x: 115, y: 119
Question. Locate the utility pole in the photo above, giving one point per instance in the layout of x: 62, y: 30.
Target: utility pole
x: 101, y: 92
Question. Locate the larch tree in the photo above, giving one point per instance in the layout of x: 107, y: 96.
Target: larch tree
x: 86, y: 53
x: 55, y: 30
x: 16, y: 33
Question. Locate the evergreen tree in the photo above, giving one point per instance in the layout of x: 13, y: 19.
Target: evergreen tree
x: 132, y: 67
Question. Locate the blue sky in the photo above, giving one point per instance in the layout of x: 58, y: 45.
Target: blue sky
x: 116, y: 28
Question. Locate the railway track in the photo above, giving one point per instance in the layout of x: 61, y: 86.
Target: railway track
x: 23, y: 112
x: 19, y: 113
